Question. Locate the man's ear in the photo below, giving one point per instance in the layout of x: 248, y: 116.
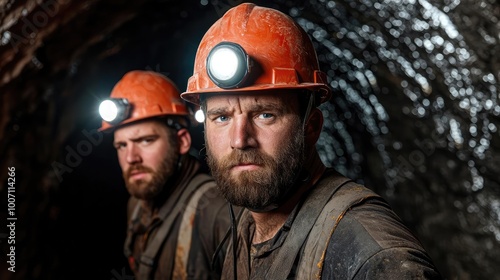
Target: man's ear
x: 313, y: 126
x: 184, y: 138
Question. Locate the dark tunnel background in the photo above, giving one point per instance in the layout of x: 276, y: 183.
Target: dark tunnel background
x: 414, y: 116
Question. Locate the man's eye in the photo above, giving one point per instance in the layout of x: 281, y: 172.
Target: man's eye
x: 120, y: 146
x: 147, y: 141
x: 266, y: 116
x: 221, y: 119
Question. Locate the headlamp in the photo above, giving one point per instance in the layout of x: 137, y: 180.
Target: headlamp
x: 228, y: 65
x: 114, y: 110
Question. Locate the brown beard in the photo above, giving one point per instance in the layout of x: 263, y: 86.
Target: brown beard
x: 150, y: 189
x: 260, y: 188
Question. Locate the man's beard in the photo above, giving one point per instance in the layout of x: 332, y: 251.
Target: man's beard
x: 260, y: 188
x: 150, y: 189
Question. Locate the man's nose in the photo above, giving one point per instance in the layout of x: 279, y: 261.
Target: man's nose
x: 133, y: 154
x: 242, y: 134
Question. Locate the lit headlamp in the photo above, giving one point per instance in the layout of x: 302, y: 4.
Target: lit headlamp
x: 114, y: 110
x: 228, y: 65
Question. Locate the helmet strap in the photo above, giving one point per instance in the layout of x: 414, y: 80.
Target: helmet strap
x: 174, y: 124
x: 310, y: 104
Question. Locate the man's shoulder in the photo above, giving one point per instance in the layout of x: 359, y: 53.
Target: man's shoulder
x: 374, y: 224
x: 211, y: 220
x: 365, y: 215
x: 344, y: 193
x: 207, y: 194
x: 205, y: 184
x: 369, y: 235
x: 371, y: 242
x: 332, y: 178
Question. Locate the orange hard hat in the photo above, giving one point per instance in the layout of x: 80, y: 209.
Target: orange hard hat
x: 147, y: 94
x: 274, y: 53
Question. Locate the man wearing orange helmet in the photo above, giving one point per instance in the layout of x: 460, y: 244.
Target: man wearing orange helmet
x: 257, y: 79
x: 174, y: 212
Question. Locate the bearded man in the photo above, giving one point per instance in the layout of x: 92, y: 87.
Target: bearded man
x: 174, y: 212
x: 256, y: 77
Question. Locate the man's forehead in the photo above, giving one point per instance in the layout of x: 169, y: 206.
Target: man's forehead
x: 277, y: 99
x: 138, y: 129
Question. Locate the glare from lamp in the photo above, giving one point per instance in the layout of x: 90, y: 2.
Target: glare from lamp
x: 199, y: 116
x: 108, y: 110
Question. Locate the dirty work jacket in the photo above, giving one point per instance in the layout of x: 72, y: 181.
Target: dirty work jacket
x: 193, y: 234
x: 369, y: 241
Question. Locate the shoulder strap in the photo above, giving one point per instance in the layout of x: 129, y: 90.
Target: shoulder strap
x: 311, y: 262
x: 186, y: 230
x: 148, y: 257
x: 134, y: 219
x: 312, y: 207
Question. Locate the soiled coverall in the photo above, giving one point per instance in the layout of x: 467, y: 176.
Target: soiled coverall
x: 210, y: 224
x: 370, y: 242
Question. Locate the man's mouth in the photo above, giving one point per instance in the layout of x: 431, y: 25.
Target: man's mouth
x: 245, y: 166
x: 137, y: 174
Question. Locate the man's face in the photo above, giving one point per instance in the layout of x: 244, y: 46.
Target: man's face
x: 255, y: 146
x: 148, y: 156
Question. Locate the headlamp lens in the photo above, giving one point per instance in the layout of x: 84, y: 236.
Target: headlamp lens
x: 223, y: 64
x: 114, y: 110
x: 228, y: 65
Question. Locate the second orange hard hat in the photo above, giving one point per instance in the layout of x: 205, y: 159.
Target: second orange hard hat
x: 148, y: 94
